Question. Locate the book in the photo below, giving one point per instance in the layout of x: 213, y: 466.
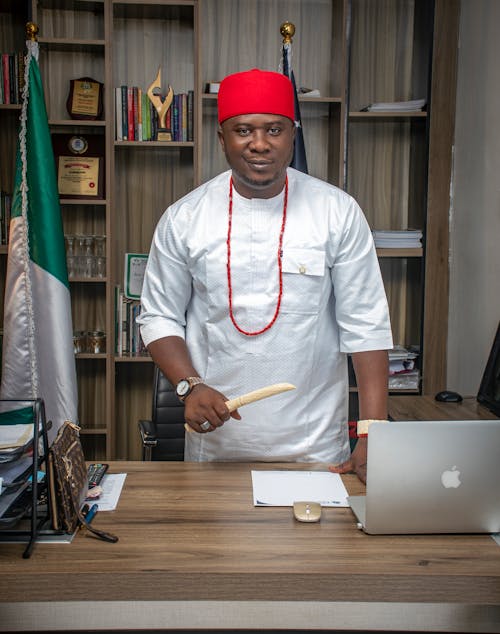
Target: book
x: 190, y: 115
x: 395, y: 106
x: 6, y: 78
x: 146, y: 117
x: 21, y: 69
x: 12, y: 79
x: 399, y: 239
x: 140, y: 136
x: 118, y: 114
x: 184, y: 120
x: 130, y: 114
x: 124, y: 102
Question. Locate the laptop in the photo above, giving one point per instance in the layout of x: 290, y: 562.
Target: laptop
x: 431, y: 477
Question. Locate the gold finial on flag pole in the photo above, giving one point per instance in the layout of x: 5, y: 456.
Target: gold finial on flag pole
x: 31, y: 31
x: 287, y: 30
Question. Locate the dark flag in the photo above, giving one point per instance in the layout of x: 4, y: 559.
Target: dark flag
x: 299, y: 160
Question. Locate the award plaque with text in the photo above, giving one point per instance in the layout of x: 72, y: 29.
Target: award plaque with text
x: 85, y: 99
x: 80, y: 165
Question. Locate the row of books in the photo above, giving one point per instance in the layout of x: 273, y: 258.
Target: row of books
x: 11, y: 77
x: 405, y: 239
x: 137, y: 119
x: 128, y: 341
x: 5, y: 208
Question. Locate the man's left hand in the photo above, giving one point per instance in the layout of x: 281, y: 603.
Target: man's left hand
x: 356, y: 463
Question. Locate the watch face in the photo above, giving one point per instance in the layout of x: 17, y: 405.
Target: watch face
x: 183, y: 388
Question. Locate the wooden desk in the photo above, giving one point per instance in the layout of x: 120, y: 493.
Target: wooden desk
x: 410, y: 407
x: 195, y: 553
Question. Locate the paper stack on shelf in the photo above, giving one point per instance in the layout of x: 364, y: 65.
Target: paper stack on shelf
x: 396, y: 106
x: 403, y: 373
x: 405, y: 239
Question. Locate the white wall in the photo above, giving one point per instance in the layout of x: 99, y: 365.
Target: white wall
x: 475, y: 208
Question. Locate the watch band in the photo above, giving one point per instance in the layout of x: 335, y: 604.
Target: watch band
x: 194, y: 380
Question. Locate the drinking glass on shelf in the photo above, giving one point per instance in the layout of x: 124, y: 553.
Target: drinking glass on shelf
x: 87, y: 266
x: 79, y: 244
x: 88, y: 242
x: 99, y: 246
x: 100, y: 267
x: 70, y: 244
x: 72, y: 264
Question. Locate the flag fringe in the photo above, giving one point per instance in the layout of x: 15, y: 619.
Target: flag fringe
x: 32, y: 52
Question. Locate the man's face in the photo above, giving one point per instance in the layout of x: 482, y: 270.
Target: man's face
x: 258, y: 148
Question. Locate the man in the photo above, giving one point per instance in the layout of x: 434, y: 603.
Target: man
x: 266, y: 275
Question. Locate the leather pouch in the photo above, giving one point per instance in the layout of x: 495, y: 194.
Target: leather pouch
x: 69, y: 483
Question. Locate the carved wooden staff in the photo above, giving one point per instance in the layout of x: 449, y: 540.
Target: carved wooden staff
x: 251, y: 397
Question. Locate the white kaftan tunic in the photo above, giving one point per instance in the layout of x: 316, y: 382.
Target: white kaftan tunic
x: 333, y: 303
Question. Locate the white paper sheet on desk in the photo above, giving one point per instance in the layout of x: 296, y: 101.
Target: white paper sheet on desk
x: 283, y: 488
x: 112, y: 485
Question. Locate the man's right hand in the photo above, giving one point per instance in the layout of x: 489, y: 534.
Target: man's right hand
x: 206, y: 404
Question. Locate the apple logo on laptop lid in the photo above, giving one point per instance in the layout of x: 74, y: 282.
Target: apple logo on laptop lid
x: 451, y: 478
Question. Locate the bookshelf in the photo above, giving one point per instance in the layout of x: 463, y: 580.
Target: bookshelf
x: 396, y: 164
x: 387, y: 151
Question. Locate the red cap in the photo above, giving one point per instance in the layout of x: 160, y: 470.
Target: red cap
x: 255, y: 92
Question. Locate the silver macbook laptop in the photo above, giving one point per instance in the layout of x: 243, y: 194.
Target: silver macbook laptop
x: 431, y: 477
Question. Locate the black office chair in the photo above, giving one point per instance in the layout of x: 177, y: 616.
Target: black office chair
x: 163, y: 435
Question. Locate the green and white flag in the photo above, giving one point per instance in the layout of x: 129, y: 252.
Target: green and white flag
x: 38, y: 359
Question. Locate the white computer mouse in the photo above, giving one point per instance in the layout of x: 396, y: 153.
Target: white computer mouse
x: 307, y: 511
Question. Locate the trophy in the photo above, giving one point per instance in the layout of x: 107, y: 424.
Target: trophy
x: 162, y: 105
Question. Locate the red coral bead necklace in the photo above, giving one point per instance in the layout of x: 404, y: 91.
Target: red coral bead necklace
x: 279, y: 257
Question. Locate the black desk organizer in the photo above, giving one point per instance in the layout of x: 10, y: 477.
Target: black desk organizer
x: 28, y: 516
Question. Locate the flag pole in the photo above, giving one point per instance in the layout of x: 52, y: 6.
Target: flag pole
x: 299, y: 160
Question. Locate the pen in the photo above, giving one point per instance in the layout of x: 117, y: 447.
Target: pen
x: 90, y: 515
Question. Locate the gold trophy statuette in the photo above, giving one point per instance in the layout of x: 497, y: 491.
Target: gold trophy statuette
x: 162, y: 105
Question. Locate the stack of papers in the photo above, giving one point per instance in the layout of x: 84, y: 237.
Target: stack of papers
x: 14, y: 440
x: 396, y: 106
x: 403, y: 373
x: 401, y: 360
x: 404, y: 239
x: 283, y: 488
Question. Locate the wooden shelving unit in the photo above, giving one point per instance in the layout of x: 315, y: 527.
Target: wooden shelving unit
x: 370, y: 51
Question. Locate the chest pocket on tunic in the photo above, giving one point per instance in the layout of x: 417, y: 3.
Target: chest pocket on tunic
x: 303, y: 280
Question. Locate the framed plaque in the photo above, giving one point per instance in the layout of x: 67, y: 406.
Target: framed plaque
x: 85, y: 99
x: 80, y: 165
